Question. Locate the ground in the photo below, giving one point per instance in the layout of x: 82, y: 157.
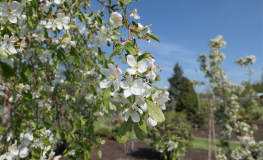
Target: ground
x: 112, y: 150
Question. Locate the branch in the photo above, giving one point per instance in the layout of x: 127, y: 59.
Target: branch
x: 11, y: 110
x: 108, y: 6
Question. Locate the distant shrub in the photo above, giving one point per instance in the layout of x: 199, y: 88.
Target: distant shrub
x: 201, y: 117
x: 103, y: 132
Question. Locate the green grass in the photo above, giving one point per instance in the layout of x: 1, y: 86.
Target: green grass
x: 1, y: 130
x: 103, y: 123
x: 202, y: 143
x: 259, y: 109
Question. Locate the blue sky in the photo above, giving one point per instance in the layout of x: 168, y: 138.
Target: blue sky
x: 185, y: 27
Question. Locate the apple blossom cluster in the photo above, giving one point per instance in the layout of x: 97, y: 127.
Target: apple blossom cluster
x: 55, y: 74
x: 244, y: 62
x: 30, y: 143
x: 171, y: 148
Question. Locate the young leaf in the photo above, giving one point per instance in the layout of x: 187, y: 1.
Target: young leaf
x: 124, y: 132
x: 130, y: 48
x: 106, y: 98
x: 154, y: 111
x: 140, y: 130
x: 152, y: 36
x: 45, y: 141
x: 143, y: 56
x: 99, y: 153
x: 112, y: 106
x: 99, y: 19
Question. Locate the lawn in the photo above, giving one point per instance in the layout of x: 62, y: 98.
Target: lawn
x: 260, y: 110
x: 202, y: 143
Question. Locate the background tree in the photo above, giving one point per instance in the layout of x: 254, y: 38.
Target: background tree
x: 187, y: 101
x: 176, y: 81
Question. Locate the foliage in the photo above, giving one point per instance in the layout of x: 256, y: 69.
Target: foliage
x: 177, y: 132
x: 187, y: 100
x: 103, y: 132
x: 176, y: 81
x: 201, y: 117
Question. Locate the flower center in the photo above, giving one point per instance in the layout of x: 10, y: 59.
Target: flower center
x: 13, y: 147
x: 10, y: 11
x: 142, y: 99
x: 137, y: 64
x: 62, y: 22
x: 154, y: 69
x: 131, y: 84
x: 118, y: 98
x: 116, y: 19
x: 112, y: 77
x: 8, y: 41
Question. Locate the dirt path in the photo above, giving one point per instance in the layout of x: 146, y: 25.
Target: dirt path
x: 112, y: 150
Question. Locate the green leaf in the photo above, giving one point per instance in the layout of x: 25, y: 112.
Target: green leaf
x: 45, y: 141
x: 3, y: 53
x: 124, y: 132
x: 35, y: 153
x: 130, y: 48
x: 68, y: 137
x: 157, y: 79
x: 84, y: 155
x: 112, y: 106
x: 60, y: 55
x: 102, y: 142
x: 143, y: 56
x: 154, y: 111
x: 106, y: 98
x: 116, y: 51
x: 144, y: 29
x: 66, y: 39
x: 140, y: 130
x: 31, y: 21
x: 99, y: 153
x: 7, y: 70
x: 65, y: 153
x: 120, y: 3
x: 73, y: 26
x: 33, y: 124
x: 135, y: 24
x: 128, y: 2
x: 152, y: 36
x: 99, y: 19
x: 26, y: 69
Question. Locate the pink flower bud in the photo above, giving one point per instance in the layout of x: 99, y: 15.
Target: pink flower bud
x: 119, y: 69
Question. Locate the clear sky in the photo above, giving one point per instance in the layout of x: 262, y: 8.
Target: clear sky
x: 184, y: 28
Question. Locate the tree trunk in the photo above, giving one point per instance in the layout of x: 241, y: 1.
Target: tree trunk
x: 209, y: 136
x: 213, y: 127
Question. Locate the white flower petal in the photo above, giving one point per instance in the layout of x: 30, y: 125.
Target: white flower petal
x: 105, y: 72
x: 131, y: 60
x: 124, y: 85
x: 144, y: 64
x: 116, y: 85
x: 127, y: 115
x: 132, y: 71
x: 23, y: 152
x: 106, y: 83
x: 151, y: 122
x: 127, y: 92
x: 125, y: 100
x: 14, y: 5
x: 135, y: 116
